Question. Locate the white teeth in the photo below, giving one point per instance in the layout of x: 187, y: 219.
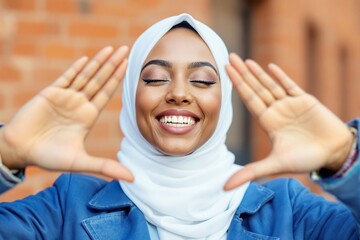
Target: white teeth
x: 177, y: 121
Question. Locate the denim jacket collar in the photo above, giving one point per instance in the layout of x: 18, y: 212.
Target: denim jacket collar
x: 256, y: 196
x: 119, y: 218
x: 259, y: 196
x: 111, y: 197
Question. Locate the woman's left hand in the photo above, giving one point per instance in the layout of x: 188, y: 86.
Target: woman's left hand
x: 306, y: 136
x: 49, y: 131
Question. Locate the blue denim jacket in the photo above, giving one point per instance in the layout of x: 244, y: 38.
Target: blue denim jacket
x: 85, y: 207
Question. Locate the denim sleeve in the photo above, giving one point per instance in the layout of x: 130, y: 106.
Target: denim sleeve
x: 37, y: 216
x: 8, y: 179
x: 347, y: 188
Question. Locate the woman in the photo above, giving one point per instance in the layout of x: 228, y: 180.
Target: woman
x: 176, y: 112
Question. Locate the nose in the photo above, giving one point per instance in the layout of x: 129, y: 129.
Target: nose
x: 178, y: 93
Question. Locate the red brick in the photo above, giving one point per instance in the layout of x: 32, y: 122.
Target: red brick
x: 62, y: 6
x: 9, y: 73
x: 22, y: 96
x: 199, y: 9
x: 101, y: 148
x: 59, y: 50
x: 2, y: 102
x: 36, y: 28
x: 136, y: 29
x: 111, y: 8
x: 92, y: 29
x: 100, y: 131
x: 43, y: 76
x: 150, y: 3
x: 23, y: 5
x: 115, y: 101
x: 24, y: 48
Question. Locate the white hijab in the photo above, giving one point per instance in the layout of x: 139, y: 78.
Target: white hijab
x: 182, y: 196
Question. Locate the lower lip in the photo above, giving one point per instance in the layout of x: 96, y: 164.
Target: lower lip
x: 176, y: 130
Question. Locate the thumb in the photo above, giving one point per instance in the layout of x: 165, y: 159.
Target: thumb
x: 252, y: 171
x: 106, y: 167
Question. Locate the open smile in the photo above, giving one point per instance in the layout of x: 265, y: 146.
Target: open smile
x: 177, y: 121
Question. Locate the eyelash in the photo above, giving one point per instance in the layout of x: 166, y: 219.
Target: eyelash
x: 148, y: 81
x: 207, y: 83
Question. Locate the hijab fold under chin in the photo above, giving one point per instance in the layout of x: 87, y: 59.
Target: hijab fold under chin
x: 182, y: 196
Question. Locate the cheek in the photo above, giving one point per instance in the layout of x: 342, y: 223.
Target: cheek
x: 215, y: 111
x: 211, y: 104
x: 145, y: 100
x: 143, y: 107
x: 141, y: 104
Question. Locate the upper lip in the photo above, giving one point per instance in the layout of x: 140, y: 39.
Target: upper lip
x: 178, y: 112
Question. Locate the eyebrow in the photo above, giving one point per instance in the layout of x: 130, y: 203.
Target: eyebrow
x: 162, y: 63
x: 167, y: 64
x: 202, y: 64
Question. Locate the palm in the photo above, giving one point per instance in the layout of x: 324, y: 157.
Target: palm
x: 58, y: 121
x: 296, y: 122
x: 49, y: 131
x: 299, y: 127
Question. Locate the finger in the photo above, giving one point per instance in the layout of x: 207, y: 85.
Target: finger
x: 266, y: 80
x: 290, y: 86
x: 243, y: 70
x: 106, y: 167
x: 66, y: 78
x: 103, y: 96
x: 251, y: 172
x: 105, y: 72
x: 91, y: 68
x: 254, y: 104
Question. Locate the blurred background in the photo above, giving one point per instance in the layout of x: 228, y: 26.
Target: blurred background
x: 316, y: 42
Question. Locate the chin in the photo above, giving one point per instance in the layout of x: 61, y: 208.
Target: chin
x: 175, y: 152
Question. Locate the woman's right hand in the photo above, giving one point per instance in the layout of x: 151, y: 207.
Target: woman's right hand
x: 49, y: 131
x: 306, y: 136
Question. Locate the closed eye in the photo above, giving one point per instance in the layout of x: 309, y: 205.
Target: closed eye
x: 155, y: 81
x: 204, y: 82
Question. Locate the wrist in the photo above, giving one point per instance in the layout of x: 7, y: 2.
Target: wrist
x: 344, y: 160
x: 8, y: 154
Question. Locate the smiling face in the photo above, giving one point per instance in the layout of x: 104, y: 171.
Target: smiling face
x: 178, y: 96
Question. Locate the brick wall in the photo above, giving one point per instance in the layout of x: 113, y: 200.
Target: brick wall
x: 317, y: 43
x: 39, y: 39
